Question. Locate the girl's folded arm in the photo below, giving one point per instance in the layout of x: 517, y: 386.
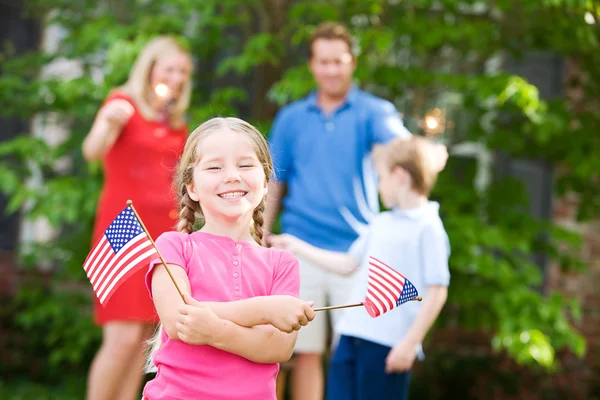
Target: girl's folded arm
x: 166, y: 298
x: 248, y: 312
x: 261, y: 344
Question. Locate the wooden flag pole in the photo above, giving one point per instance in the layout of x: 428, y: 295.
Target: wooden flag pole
x: 130, y: 204
x: 336, y: 307
x: 419, y: 298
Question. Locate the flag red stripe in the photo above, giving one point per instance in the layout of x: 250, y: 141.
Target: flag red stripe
x: 382, y: 292
x: 385, y: 285
x: 386, y: 282
x: 384, y: 295
x: 110, y: 293
x: 106, y: 297
x: 395, y: 285
x: 104, y: 249
x: 372, y: 308
x: 108, y: 263
x: 389, y: 269
x: 104, y: 257
x: 123, y: 265
x: 89, y: 259
x: 381, y: 306
x: 120, y: 261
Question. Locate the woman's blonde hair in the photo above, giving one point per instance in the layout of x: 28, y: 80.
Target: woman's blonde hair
x: 415, y: 155
x: 190, y: 211
x: 138, y: 85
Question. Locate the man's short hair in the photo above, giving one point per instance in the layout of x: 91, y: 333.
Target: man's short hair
x: 331, y: 31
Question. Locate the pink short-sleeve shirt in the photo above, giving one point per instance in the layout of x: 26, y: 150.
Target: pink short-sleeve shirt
x: 219, y: 269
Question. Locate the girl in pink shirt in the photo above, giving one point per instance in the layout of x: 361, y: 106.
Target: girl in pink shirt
x: 241, y: 313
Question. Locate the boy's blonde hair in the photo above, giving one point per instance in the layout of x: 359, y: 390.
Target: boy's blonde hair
x: 189, y: 210
x: 415, y: 155
x: 138, y: 85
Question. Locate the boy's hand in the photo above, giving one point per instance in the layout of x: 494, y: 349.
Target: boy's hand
x: 196, y: 322
x: 401, y: 358
x: 287, y: 313
x: 285, y: 241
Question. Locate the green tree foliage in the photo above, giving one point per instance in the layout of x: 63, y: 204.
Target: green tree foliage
x: 250, y: 58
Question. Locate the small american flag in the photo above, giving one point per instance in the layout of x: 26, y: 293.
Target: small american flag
x: 124, y: 249
x: 387, y: 288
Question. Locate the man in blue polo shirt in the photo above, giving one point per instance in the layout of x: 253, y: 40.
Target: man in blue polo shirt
x: 326, y: 182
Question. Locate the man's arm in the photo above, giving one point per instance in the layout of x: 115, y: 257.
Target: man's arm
x: 276, y: 192
x: 386, y: 123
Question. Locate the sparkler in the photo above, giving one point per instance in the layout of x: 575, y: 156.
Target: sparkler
x: 162, y: 91
x: 434, y: 122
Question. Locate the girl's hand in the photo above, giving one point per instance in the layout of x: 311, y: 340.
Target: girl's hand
x: 287, y: 313
x: 197, y: 323
x: 401, y: 358
x: 117, y: 112
x: 286, y: 242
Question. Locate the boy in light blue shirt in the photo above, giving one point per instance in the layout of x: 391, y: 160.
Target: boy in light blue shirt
x: 374, y: 356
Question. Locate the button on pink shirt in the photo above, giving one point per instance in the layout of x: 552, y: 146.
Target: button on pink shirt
x: 219, y: 269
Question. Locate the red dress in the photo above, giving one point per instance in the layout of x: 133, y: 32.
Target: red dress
x: 140, y: 167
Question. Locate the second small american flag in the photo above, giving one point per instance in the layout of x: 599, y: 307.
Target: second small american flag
x: 387, y: 288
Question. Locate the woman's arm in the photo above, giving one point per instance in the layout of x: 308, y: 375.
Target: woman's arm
x: 333, y: 261
x: 106, y: 128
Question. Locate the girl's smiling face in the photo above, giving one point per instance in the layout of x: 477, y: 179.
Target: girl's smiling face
x: 229, y: 180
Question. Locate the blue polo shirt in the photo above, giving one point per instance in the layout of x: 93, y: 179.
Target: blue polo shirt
x: 325, y: 161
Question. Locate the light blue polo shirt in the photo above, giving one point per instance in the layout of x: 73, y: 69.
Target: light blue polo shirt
x: 325, y: 160
x: 413, y: 242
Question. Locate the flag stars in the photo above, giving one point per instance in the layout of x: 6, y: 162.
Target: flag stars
x: 123, y: 228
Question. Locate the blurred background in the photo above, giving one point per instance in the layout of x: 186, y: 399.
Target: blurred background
x: 512, y: 87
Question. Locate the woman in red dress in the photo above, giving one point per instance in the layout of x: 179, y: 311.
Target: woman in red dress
x: 138, y: 134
